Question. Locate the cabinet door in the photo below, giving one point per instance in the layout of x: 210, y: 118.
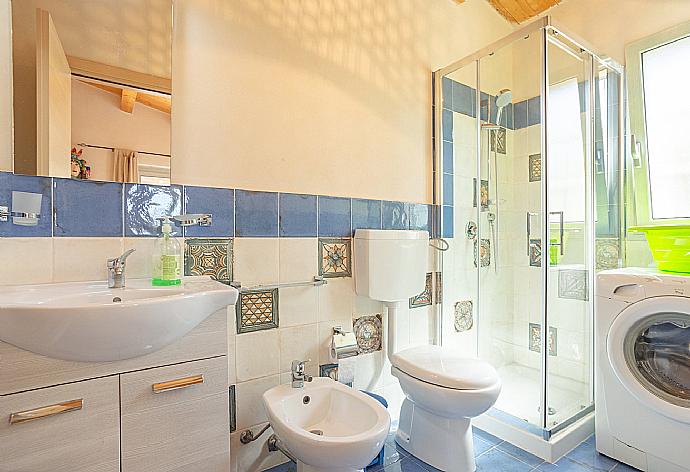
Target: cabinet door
x: 68, y: 428
x: 175, y: 418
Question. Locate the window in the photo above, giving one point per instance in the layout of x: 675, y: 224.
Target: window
x: 665, y: 72
x: 657, y: 71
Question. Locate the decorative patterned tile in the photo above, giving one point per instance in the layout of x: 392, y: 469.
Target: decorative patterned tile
x: 484, y: 193
x: 335, y: 256
x: 426, y: 297
x: 256, y: 214
x: 335, y: 217
x: 535, y: 167
x: 366, y: 214
x: 421, y: 217
x: 498, y: 140
x: 144, y: 204
x: 298, y: 215
x: 535, y: 339
x: 484, y: 253
x: 438, y: 288
x: 573, y: 284
x: 232, y: 406
x: 257, y: 310
x: 209, y: 257
x: 24, y: 183
x: 219, y: 202
x: 608, y: 252
x: 76, y: 211
x: 464, y: 319
x: 535, y: 252
x: 368, y: 332
x: 395, y: 215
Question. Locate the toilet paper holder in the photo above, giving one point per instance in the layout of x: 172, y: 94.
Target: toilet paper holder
x: 343, y: 344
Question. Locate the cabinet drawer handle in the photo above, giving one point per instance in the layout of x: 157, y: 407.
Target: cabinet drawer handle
x: 177, y: 384
x: 46, y: 411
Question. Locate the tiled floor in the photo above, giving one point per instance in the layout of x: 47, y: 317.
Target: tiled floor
x: 495, y: 455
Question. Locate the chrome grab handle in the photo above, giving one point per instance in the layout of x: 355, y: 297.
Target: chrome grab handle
x: 177, y: 384
x: 561, y: 229
x: 530, y: 214
x: 46, y: 411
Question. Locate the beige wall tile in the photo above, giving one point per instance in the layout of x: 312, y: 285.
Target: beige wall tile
x: 26, y: 261
x: 298, y: 306
x: 257, y: 354
x: 298, y: 259
x: 256, y: 261
x: 139, y: 264
x: 299, y: 343
x: 336, y: 298
x: 83, y: 259
x: 250, y: 407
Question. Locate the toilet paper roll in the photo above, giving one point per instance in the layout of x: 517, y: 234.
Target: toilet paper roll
x: 343, y: 345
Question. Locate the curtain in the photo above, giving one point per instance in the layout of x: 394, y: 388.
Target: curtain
x: 125, y: 166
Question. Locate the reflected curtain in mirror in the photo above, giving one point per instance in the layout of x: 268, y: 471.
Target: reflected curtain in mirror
x: 125, y: 166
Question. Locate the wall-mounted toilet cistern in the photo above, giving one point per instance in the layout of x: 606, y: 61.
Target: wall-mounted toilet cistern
x: 390, y: 266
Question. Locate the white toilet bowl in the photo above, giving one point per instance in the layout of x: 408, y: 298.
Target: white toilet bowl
x: 443, y: 392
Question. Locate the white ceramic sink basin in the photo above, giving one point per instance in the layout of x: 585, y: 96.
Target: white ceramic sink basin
x: 326, y: 425
x: 90, y: 322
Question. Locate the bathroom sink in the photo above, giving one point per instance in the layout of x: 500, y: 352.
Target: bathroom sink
x: 89, y: 322
x: 326, y: 425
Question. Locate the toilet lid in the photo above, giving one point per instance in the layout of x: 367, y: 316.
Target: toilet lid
x: 446, y: 368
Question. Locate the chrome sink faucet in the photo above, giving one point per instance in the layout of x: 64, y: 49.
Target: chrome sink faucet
x: 298, y: 374
x: 116, y: 270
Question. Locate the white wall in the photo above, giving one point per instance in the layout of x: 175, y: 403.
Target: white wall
x: 318, y: 97
x: 98, y: 120
x: 609, y: 25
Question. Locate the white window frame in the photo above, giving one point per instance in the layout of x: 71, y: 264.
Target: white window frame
x: 638, y: 193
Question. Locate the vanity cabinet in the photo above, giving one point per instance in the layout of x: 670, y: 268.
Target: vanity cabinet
x: 163, y: 412
x: 68, y: 428
x: 175, y: 418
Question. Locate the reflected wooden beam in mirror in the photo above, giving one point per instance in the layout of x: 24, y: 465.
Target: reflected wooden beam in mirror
x: 118, y: 75
x: 158, y: 102
x: 127, y: 100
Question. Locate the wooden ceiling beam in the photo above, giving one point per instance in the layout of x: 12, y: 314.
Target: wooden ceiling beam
x: 129, y: 97
x: 518, y: 11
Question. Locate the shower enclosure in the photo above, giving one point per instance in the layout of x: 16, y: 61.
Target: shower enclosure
x: 528, y: 151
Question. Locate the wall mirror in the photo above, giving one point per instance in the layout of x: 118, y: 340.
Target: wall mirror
x: 92, y: 87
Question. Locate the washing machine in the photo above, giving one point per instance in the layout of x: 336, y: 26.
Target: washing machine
x: 642, y: 375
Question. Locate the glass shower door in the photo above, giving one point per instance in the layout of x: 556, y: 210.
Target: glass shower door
x: 568, y: 251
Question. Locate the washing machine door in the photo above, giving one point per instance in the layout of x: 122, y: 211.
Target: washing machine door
x: 648, y: 346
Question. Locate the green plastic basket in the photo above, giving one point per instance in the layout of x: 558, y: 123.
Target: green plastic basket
x: 670, y: 246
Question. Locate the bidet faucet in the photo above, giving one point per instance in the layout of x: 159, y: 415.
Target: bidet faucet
x: 298, y: 374
x: 116, y: 270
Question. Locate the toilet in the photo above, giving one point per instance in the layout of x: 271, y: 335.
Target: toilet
x: 443, y: 389
x: 443, y: 392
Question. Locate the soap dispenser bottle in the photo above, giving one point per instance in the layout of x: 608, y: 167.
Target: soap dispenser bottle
x: 167, y: 258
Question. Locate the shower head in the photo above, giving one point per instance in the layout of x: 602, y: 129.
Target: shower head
x: 503, y: 98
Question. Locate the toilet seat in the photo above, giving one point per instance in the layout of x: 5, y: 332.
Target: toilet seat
x: 445, y: 368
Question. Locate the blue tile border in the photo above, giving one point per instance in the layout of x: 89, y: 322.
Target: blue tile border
x: 297, y: 215
x: 76, y: 215
x: 20, y: 183
x: 256, y: 214
x: 335, y: 216
x: 131, y: 210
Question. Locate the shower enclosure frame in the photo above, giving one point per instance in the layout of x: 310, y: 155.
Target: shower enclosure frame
x: 545, y: 26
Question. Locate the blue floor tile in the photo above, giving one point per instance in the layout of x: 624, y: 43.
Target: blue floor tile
x: 520, y: 454
x: 564, y: 465
x: 408, y: 464
x: 481, y: 446
x: 586, y: 454
x: 496, y: 460
x: 620, y: 467
x: 490, y: 438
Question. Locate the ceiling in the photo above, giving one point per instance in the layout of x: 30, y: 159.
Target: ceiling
x: 518, y: 11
